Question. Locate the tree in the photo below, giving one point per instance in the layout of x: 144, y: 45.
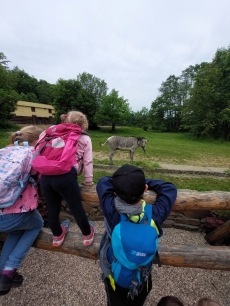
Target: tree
x: 44, y: 92
x: 31, y: 97
x: 8, y: 97
x: 3, y: 60
x: 168, y: 106
x: 142, y: 118
x: 187, y: 81
x: 65, y: 97
x: 24, y: 83
x: 95, y: 87
x: 91, y: 93
x: 113, y: 109
x: 8, y: 100
x: 157, y: 114
x: 202, y: 110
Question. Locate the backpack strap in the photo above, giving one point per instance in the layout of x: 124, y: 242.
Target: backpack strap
x: 105, y: 265
x: 146, y: 218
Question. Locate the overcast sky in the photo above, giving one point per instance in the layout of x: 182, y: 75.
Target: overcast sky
x: 133, y: 45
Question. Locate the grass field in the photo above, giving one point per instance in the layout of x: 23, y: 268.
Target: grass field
x: 173, y: 148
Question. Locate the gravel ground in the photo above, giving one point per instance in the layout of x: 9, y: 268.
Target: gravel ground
x: 52, y: 278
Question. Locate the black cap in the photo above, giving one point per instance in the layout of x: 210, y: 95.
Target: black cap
x: 129, y: 183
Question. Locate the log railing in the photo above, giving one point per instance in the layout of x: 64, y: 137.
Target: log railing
x: 190, y: 256
x: 186, y: 199
x: 193, y: 256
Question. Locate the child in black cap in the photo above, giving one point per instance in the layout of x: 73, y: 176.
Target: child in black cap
x: 123, y: 194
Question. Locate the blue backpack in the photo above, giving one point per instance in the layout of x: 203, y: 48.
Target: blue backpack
x: 126, y: 254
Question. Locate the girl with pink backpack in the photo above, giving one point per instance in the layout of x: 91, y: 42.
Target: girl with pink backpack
x: 59, y: 173
x: 21, y: 221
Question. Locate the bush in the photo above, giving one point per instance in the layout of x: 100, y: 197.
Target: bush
x: 6, y: 125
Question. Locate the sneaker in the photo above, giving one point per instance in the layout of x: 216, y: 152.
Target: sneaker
x: 88, y: 240
x: 57, y: 241
x: 6, y: 283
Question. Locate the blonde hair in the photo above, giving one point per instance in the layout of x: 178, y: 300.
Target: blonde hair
x: 206, y: 302
x: 75, y: 117
x: 28, y: 133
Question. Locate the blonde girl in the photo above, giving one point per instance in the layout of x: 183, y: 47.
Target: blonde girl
x: 65, y: 186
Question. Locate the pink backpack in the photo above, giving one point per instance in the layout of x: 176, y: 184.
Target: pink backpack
x: 15, y: 166
x: 56, y: 150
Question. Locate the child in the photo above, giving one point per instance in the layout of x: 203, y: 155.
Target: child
x: 21, y: 221
x: 123, y: 193
x: 170, y: 301
x: 65, y: 186
x: 206, y: 302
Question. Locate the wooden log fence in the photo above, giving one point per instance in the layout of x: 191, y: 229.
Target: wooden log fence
x: 187, y: 200
x: 192, y: 256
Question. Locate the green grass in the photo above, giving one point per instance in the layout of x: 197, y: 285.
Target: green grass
x: 174, y: 148
x: 182, y: 182
x: 4, y: 137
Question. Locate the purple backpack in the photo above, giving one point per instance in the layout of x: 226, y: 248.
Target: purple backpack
x: 56, y: 150
x: 15, y: 166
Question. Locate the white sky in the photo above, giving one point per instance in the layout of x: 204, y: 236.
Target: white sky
x: 133, y: 45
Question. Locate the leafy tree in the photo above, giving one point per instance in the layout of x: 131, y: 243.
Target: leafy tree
x: 44, y: 95
x: 8, y: 100
x: 206, y: 112
x: 31, y: 97
x: 8, y: 97
x: 86, y: 104
x: 168, y: 106
x: 24, y: 83
x: 187, y: 80
x: 3, y: 60
x: 142, y: 118
x: 66, y: 97
x: 201, y: 113
x: 157, y: 115
x: 91, y: 93
x: 113, y: 109
x: 92, y: 85
x: 3, y: 78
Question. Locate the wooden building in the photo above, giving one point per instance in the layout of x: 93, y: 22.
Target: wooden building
x: 32, y: 113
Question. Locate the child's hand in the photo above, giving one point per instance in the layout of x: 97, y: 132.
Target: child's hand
x: 88, y: 183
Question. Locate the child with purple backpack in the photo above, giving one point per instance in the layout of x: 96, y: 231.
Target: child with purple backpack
x: 21, y: 220
x: 64, y: 151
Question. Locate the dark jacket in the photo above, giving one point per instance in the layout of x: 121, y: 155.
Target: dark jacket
x: 166, y: 196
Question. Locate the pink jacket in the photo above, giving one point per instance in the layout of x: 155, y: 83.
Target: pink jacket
x: 84, y: 156
x: 27, y: 201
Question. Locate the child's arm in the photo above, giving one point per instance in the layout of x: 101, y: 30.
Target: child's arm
x: 166, y: 197
x: 88, y: 162
x: 106, y: 197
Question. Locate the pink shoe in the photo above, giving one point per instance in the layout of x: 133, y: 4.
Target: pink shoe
x: 58, y: 241
x: 88, y: 240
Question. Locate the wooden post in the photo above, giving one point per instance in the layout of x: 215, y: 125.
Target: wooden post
x: 190, y: 256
